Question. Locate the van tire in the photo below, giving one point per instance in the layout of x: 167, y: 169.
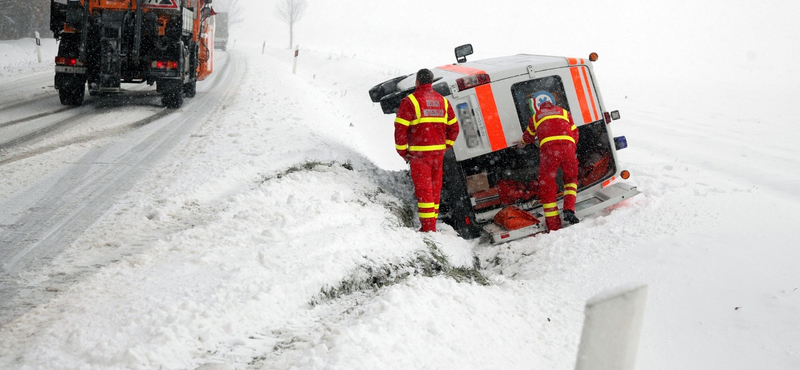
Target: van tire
x: 377, y: 92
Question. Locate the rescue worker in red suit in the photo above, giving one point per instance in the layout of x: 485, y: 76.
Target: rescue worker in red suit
x: 558, y: 139
x: 425, y: 127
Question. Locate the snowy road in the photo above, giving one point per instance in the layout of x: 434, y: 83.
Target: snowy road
x: 103, y: 145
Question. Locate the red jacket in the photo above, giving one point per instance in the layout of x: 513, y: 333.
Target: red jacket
x: 425, y: 123
x: 551, y: 123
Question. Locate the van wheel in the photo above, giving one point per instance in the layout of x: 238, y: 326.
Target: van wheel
x: 377, y: 92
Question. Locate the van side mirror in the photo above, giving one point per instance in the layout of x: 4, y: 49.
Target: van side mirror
x: 462, y: 52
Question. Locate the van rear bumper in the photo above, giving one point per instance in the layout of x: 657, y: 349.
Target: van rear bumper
x: 599, y: 200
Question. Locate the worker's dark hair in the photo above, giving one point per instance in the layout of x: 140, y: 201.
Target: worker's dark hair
x: 425, y: 76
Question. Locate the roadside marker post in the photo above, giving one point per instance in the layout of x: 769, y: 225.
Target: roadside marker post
x: 611, y: 329
x: 296, y: 52
x: 38, y: 47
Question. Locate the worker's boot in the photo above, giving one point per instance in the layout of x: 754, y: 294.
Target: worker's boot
x: 428, y: 225
x: 553, y: 223
x: 570, y: 217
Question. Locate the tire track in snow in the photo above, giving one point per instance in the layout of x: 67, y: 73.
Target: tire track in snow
x: 38, y: 223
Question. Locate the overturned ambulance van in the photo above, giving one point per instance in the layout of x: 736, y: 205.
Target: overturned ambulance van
x: 486, y: 173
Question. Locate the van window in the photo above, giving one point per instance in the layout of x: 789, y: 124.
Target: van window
x: 523, y: 91
x: 469, y: 126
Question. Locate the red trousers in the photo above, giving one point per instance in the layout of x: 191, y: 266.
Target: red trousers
x: 426, y: 173
x: 553, y: 155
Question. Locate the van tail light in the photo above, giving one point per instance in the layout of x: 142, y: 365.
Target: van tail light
x: 164, y: 64
x: 469, y: 82
x: 71, y: 62
x: 614, y: 115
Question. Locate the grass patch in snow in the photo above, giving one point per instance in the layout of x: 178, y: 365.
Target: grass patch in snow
x: 308, y: 166
x: 430, y: 262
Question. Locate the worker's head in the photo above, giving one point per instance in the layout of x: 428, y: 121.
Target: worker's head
x: 538, y: 98
x: 424, y: 77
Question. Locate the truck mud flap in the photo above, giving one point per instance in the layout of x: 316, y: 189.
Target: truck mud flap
x: 604, y: 198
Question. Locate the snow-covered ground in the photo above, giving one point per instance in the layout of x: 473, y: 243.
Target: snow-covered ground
x: 254, y: 244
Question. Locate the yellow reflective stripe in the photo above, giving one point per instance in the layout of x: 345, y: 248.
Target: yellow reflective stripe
x: 533, y: 133
x: 436, y: 206
x: 426, y: 205
x: 563, y: 116
x: 427, y: 215
x: 429, y: 120
x: 559, y: 137
x: 426, y: 148
x: 551, y: 214
x: 550, y: 205
x: 401, y: 147
x: 450, y: 142
x: 401, y: 121
x: 417, y: 112
x: 570, y: 192
x: 574, y: 127
x: 571, y: 185
x: 448, y: 121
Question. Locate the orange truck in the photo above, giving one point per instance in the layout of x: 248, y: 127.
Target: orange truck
x: 486, y: 173
x: 104, y: 43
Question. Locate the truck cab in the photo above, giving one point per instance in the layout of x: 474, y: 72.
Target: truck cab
x: 486, y: 172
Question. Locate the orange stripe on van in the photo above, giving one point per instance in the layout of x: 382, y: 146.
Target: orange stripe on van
x: 595, y: 116
x: 576, y: 80
x: 461, y: 69
x: 488, y: 107
x: 491, y: 118
x: 576, y: 61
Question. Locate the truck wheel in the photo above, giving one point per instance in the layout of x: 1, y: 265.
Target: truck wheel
x: 172, y: 100
x: 190, y: 89
x: 72, y: 95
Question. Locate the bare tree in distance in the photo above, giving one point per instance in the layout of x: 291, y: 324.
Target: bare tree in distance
x: 290, y: 11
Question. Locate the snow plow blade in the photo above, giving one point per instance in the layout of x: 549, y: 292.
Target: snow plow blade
x: 584, y: 207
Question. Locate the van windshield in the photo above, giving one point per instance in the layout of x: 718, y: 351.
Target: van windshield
x: 523, y: 91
